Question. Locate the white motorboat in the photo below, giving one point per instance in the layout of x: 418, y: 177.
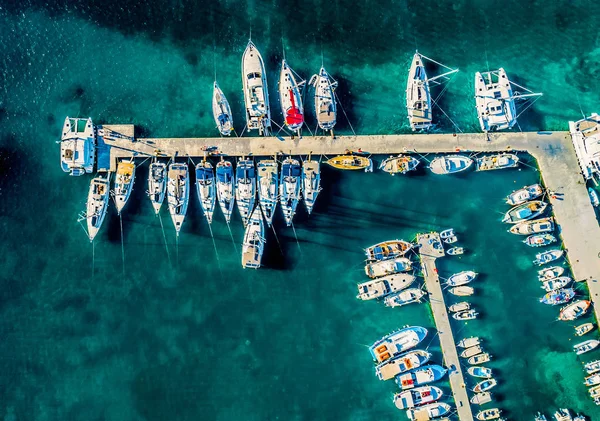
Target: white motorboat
x: 485, y: 385
x: 462, y: 291
x: 256, y: 92
x: 420, y: 376
x: 206, y: 188
x: 584, y: 328
x: 497, y: 162
x: 123, y: 183
x: 157, y: 184
x: 416, y: 397
x: 97, y: 204
x: 245, y: 188
x: 226, y: 188
x: 586, y: 346
x: 465, y: 315
x: 221, y: 111
x: 387, y: 267
x: 461, y: 278
x: 550, y: 273
x: 388, y: 249
x: 380, y: 287
x: 325, y: 102
x: 311, y: 183
x: 525, y: 212
x: 78, y: 146
x: 481, y: 398
x: 585, y: 135
x: 290, y: 188
x: 254, y: 241
x: 479, y: 359
x: 450, y: 164
x: 290, y: 98
x: 468, y: 342
x: 556, y: 283
x: 402, y: 298
x: 400, y: 164
x: 268, y: 188
x: 427, y: 412
x: 536, y: 226
x: 488, y: 414
x: 592, y: 367
x: 471, y: 351
x: 447, y: 233
x: 455, y: 251
x: 401, y: 364
x: 481, y: 372
x: 548, y: 256
x: 451, y: 240
x: 574, y: 310
x: 462, y: 306
x: 178, y: 193
x: 397, y: 343
x: 525, y: 194
x: 592, y: 380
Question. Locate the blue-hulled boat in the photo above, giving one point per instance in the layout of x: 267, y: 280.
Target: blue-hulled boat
x: 206, y: 188
x: 420, y: 376
x: 290, y: 188
x: 560, y: 296
x: 225, y: 188
x: 417, y: 396
x: 397, y: 342
x: 245, y: 188
x: 401, y: 364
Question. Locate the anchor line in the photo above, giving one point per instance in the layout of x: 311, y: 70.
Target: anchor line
x: 296, y: 235
x: 344, y: 111
x: 231, y: 235
x: 277, y: 239
x: 93, y: 260
x: 122, y: 243
x: 162, y: 227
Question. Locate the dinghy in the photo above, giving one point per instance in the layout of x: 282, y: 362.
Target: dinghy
x: 256, y: 93
x: 563, y: 414
x: 586, y: 346
x: 254, y: 241
x: 290, y: 187
x: 380, y: 287
x: 388, y: 249
x: 78, y: 146
x: 350, y: 162
x: 388, y: 267
x: 397, y: 342
x: 268, y: 188
x: 497, y: 162
x: 479, y: 359
x: 481, y: 372
x: 325, y: 105
x: 547, y: 257
x: 465, y: 315
x: 450, y: 164
x: 225, y: 188
x: 488, y: 414
x: 455, y: 251
x: 525, y: 194
x: 461, y: 278
x: 574, y: 310
x: 550, y: 273
x: 525, y: 212
x: 420, y: 376
x: 124, y: 183
x: 447, y: 233
x: 450, y: 240
x: 206, y: 188
x: 539, y: 240
x: 485, y: 385
x: 221, y: 111
x: 556, y: 283
x: 537, y: 226
x: 462, y: 306
x: 416, y: 397
x: 592, y: 380
x: 593, y: 197
x: 468, y: 342
x: 157, y: 184
x: 97, y: 204
x: 481, y: 398
x: 400, y: 164
x: 471, y: 351
x: 401, y: 364
x: 560, y: 296
x: 290, y: 98
x: 178, y: 193
x: 427, y: 412
x: 245, y: 188
x: 462, y: 291
x: 409, y: 296
x: 583, y: 329
x: 592, y: 367
x: 540, y: 417
x: 311, y: 183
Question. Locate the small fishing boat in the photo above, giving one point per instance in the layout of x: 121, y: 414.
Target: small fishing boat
x: 254, y: 241
x: 124, y: 183
x: 574, y: 310
x: 447, y: 233
x: 455, y: 251
x: 461, y: 278
x: 525, y: 212
x: 290, y: 98
x: 592, y: 380
x: 388, y: 267
x: 78, y: 146
x: 221, y: 111
x: 479, y: 359
x: 268, y: 188
x: 401, y: 364
x: 481, y: 372
x: 462, y: 306
x: 547, y: 257
x: 556, y: 283
x: 420, y: 376
x: 397, y: 342
x: 427, y: 412
x: 497, y: 162
x: 539, y: 240
x: 400, y: 164
x: 311, y: 183
x: 594, y: 391
x: 408, y: 296
x: 583, y: 329
x: 471, y: 351
x: 525, y: 194
x: 586, y: 346
x: 416, y: 397
x: 560, y: 296
x: 450, y: 164
x: 350, y: 162
x: 540, y: 417
x: 593, y: 197
x: 178, y: 193
x: 97, y: 205
x: 592, y: 367
x: 485, y: 385
x: 481, y: 398
x: 388, y: 249
x: 380, y: 287
x: 465, y: 315
x: 536, y: 226
x: 468, y: 342
x: 462, y: 291
x: 157, y: 184
x: 563, y: 414
x: 488, y: 414
x: 245, y: 188
x: 206, y: 188
x: 225, y: 188
x: 550, y: 273
x: 325, y: 105
x: 450, y: 240
x: 256, y: 93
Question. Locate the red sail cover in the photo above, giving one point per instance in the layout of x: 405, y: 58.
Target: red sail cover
x: 293, y: 115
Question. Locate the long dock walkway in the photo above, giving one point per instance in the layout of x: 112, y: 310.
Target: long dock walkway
x: 429, y: 253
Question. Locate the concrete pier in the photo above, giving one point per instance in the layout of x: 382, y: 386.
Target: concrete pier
x: 428, y: 254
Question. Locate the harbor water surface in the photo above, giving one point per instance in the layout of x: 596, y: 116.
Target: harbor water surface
x: 148, y: 331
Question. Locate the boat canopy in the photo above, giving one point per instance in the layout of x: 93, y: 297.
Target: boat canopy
x: 292, y: 170
x: 204, y: 173
x: 245, y: 170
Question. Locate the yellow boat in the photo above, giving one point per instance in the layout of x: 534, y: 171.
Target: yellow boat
x: 349, y: 162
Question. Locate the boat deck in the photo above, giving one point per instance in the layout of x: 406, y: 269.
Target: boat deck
x: 428, y: 255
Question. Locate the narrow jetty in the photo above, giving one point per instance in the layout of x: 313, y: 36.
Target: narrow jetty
x: 430, y: 248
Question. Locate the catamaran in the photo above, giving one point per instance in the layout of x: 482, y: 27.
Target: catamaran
x: 290, y: 188
x: 206, y: 188
x: 325, y: 104
x: 268, y: 188
x: 256, y: 93
x: 221, y: 111
x: 585, y: 135
x: 450, y: 164
x: 418, y: 96
x: 157, y: 184
x: 537, y: 226
x: 124, y: 183
x: 401, y: 364
x: 397, y: 342
x: 400, y: 164
x: 245, y: 188
x: 78, y: 146
x: 225, y: 188
x: 290, y: 98
x: 97, y: 204
x: 254, y: 241
x: 311, y: 183
x: 178, y: 193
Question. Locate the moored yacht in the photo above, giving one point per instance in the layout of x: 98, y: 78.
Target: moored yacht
x: 380, y: 287
x: 397, y: 342
x: 388, y: 249
x: 178, y: 193
x: 123, y: 183
x: 245, y: 188
x: 400, y: 164
x: 488, y: 414
x: 450, y: 164
x: 254, y: 241
x: 401, y: 364
x: 157, y: 184
x: 290, y: 98
x: 221, y: 111
x: 206, y: 188
x: 525, y: 194
x: 547, y: 257
x: 525, y: 212
x: 325, y: 103
x: 78, y: 146
x: 536, y: 226
x: 585, y: 135
x: 402, y: 298
x: 311, y: 183
x: 256, y: 93
x: 290, y: 188
x: 417, y: 396
x: 574, y: 310
x: 268, y: 188
x: 97, y: 204
x: 387, y: 267
x: 225, y: 188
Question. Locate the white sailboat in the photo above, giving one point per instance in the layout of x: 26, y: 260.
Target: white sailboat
x: 268, y: 188
x: 206, y: 188
x: 124, y: 183
x: 311, y: 183
x: 245, y: 188
x: 97, y: 204
x: 254, y: 241
x: 325, y: 104
x: 290, y: 188
x: 585, y: 135
x: 78, y: 146
x: 290, y: 98
x: 157, y: 184
x: 178, y: 193
x: 221, y: 111
x: 225, y: 188
x: 256, y: 93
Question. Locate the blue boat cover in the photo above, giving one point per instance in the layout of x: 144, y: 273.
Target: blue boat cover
x: 204, y: 173
x: 291, y: 169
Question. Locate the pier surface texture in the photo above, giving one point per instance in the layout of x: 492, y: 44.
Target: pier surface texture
x: 428, y: 253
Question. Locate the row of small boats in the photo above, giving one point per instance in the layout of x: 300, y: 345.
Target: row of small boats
x: 592, y: 380
x: 563, y: 414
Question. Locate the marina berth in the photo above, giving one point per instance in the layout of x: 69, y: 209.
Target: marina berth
x: 401, y: 364
x: 525, y: 212
x: 420, y: 376
x: 539, y: 240
x: 178, y: 193
x: 485, y: 385
x: 586, y: 346
x: 556, y: 283
x: 254, y: 241
x: 525, y: 194
x: 256, y: 92
x: 311, y: 183
x: 584, y: 328
x: 124, y: 180
x: 461, y: 278
x: 489, y: 414
x: 221, y: 111
x: 245, y: 188
x: 536, y: 226
x: 206, y: 188
x: 468, y: 342
x: 585, y: 135
x: 547, y: 257
x: 268, y: 188
x: 550, y: 273
x: 479, y: 359
x: 290, y: 98
x: 290, y: 186
x: 450, y: 164
x: 494, y: 100
x: 497, y: 162
x: 481, y: 398
x: 388, y: 267
x: 325, y: 102
x: 408, y: 296
x: 431, y: 411
x: 560, y: 296
x: 574, y: 310
x: 157, y: 184
x: 350, y: 162
x: 388, y: 249
x: 397, y: 342
x: 418, y: 396
x: 97, y: 205
x: 226, y: 188
x: 481, y: 372
x: 462, y: 291
x: 380, y: 287
x: 400, y: 164
x: 78, y: 146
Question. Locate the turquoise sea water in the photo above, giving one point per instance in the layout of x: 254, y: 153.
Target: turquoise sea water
x: 185, y: 335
